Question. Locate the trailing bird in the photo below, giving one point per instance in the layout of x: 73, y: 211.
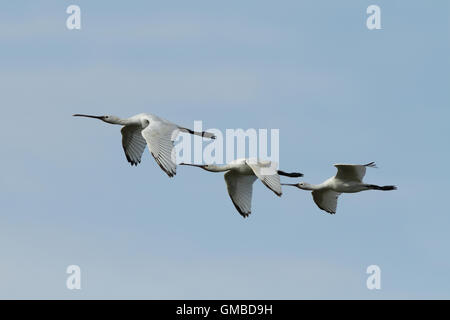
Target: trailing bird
x: 348, y: 179
x: 240, y: 176
x: 147, y: 129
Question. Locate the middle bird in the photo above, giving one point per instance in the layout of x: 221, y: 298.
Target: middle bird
x: 241, y: 175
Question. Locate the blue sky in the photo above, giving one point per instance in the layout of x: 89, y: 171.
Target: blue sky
x: 337, y: 91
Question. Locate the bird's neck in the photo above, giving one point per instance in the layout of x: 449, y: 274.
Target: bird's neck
x: 124, y: 122
x: 216, y: 168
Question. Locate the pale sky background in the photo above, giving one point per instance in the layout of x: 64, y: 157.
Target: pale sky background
x: 337, y: 91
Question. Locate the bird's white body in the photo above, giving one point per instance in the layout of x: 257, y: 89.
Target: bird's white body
x: 342, y: 186
x: 146, y: 129
x: 240, y: 166
x: 240, y: 176
x: 348, y: 179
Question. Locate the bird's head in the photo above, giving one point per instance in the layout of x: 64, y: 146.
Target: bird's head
x: 107, y: 119
x: 304, y: 186
x: 300, y: 185
x: 111, y: 119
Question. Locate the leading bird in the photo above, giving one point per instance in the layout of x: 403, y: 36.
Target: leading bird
x: 348, y: 179
x: 147, y: 129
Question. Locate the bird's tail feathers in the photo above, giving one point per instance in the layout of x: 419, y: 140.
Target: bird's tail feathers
x: 382, y: 188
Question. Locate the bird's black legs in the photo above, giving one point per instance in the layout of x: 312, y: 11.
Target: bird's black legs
x: 290, y: 174
x: 204, y: 134
x: 371, y: 165
x: 382, y: 188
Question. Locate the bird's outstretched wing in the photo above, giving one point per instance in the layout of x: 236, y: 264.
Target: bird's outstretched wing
x: 266, y: 171
x: 133, y: 144
x: 159, y: 136
x: 326, y: 200
x: 352, y: 172
x: 240, y: 188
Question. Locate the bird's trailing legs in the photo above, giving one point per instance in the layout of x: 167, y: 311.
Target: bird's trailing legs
x: 204, y: 134
x: 290, y: 174
x: 382, y: 188
x: 371, y: 165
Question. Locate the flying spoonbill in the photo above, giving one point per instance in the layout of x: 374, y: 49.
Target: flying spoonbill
x: 147, y: 129
x: 347, y: 180
x: 240, y: 176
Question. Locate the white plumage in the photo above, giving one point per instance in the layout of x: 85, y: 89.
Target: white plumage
x: 240, y: 176
x: 158, y: 134
x: 149, y: 130
x: 348, y: 179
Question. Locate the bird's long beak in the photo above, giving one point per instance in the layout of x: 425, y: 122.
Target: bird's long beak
x: 88, y: 116
x: 192, y: 165
x: 290, y: 184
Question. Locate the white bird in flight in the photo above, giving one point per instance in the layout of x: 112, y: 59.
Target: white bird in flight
x: 147, y: 129
x: 347, y: 180
x: 240, y: 177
